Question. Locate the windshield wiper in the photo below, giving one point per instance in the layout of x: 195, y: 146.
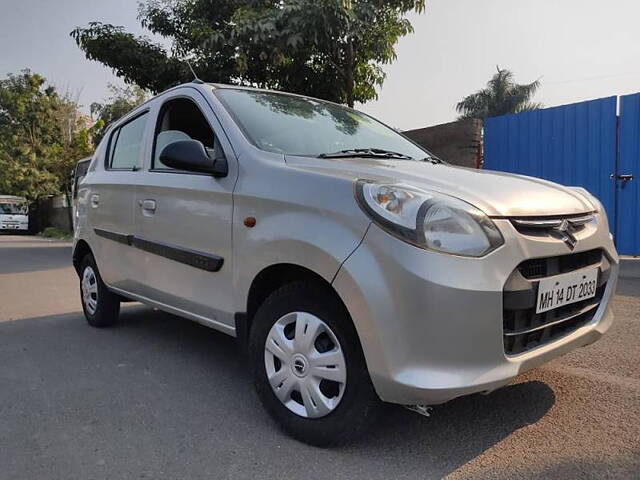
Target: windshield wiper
x: 433, y: 159
x: 366, y: 152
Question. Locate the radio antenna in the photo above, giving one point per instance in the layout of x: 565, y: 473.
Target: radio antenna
x: 195, y: 77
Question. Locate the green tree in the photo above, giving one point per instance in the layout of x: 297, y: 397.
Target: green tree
x: 42, y: 135
x: 333, y: 49
x: 27, y: 131
x: 121, y: 101
x: 501, y: 96
x: 74, y: 143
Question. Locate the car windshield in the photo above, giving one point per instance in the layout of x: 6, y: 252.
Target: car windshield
x: 13, y: 208
x: 295, y: 125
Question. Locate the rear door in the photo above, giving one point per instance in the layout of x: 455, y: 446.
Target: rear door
x: 110, y: 195
x: 183, y: 220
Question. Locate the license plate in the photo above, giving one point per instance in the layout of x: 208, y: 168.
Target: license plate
x: 565, y: 289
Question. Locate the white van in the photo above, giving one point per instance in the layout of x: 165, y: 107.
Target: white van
x: 14, y: 213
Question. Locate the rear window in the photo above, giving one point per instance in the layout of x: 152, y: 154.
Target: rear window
x: 126, y: 143
x: 81, y: 171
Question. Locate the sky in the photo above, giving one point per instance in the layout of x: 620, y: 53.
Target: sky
x: 580, y: 49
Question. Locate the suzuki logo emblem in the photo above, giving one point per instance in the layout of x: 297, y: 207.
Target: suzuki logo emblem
x: 565, y: 232
x: 298, y: 365
x: 563, y: 227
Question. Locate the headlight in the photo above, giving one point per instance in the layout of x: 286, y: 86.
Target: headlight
x: 429, y: 220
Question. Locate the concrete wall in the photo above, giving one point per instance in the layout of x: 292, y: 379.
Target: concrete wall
x: 459, y: 143
x: 49, y: 212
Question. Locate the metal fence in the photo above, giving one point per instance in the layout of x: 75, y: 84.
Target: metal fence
x: 585, y: 144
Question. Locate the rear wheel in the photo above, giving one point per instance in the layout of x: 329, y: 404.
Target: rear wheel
x: 101, y: 307
x: 308, y: 367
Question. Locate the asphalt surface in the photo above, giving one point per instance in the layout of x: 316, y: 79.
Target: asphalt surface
x: 161, y: 397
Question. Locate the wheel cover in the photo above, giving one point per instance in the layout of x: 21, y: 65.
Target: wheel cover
x: 89, y: 287
x: 305, y: 365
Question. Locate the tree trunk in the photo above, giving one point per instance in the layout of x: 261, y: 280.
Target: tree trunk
x: 67, y: 195
x: 348, y: 73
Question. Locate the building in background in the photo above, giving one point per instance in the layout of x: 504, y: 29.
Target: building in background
x: 458, y: 143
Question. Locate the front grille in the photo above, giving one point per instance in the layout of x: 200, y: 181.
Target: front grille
x: 523, y: 328
x: 564, y: 228
x: 537, y: 226
x: 544, y: 267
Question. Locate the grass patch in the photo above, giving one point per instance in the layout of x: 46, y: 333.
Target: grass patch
x: 56, y: 233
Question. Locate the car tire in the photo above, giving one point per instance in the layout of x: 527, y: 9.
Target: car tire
x: 101, y: 307
x: 330, y: 413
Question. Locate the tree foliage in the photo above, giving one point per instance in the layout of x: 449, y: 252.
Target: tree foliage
x: 121, y: 101
x: 42, y: 135
x: 332, y: 49
x: 501, y: 96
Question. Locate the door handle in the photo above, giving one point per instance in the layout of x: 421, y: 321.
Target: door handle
x: 95, y: 200
x: 622, y: 178
x: 148, y: 205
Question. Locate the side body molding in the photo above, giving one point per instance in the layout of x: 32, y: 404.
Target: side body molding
x: 201, y: 260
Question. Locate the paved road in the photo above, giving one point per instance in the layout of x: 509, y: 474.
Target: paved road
x: 160, y: 397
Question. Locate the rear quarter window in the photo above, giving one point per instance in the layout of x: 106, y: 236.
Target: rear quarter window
x: 125, y: 144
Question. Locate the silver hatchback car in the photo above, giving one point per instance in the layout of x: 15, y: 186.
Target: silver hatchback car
x: 354, y: 265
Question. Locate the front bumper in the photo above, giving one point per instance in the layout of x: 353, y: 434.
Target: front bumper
x: 431, y: 325
x: 14, y: 226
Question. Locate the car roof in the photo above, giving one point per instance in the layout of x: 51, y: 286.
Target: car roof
x: 226, y: 86
x: 199, y: 85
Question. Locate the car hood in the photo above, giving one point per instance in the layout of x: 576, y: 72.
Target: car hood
x: 495, y: 193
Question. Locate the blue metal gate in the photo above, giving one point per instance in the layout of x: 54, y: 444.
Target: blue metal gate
x: 627, y: 177
x: 584, y: 144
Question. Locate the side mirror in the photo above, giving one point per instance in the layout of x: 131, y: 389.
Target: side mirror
x: 192, y: 156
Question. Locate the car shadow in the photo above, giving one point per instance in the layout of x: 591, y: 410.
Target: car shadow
x: 180, y: 394
x: 458, y: 431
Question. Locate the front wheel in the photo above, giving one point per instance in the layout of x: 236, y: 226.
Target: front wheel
x: 101, y: 307
x: 308, y: 366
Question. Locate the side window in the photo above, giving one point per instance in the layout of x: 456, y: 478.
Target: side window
x: 81, y: 171
x: 126, y: 142
x: 181, y: 119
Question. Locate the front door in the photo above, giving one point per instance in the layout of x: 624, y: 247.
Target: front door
x: 183, y: 220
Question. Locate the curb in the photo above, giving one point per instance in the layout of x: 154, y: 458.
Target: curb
x: 629, y: 267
